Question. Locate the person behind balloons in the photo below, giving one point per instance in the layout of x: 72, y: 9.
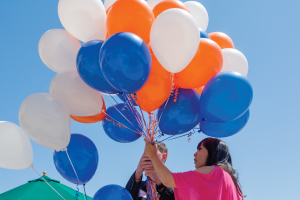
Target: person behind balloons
x: 138, y: 188
x: 213, y: 179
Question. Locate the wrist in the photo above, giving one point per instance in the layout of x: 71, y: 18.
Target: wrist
x: 138, y: 176
x: 158, y: 182
x: 153, y: 157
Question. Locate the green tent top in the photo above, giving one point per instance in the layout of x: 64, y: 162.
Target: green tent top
x: 39, y: 190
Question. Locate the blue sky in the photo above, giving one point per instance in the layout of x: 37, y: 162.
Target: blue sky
x: 265, y: 152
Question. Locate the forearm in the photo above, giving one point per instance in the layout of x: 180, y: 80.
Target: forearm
x: 138, y: 176
x: 133, y: 187
x: 163, y: 173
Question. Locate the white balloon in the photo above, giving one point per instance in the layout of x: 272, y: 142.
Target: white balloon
x: 15, y: 147
x: 58, y: 50
x: 77, y: 96
x: 234, y: 60
x: 108, y: 3
x: 46, y: 121
x: 153, y: 3
x: 174, y: 38
x: 199, y: 12
x: 84, y: 19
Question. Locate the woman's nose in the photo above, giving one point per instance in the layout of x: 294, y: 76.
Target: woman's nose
x: 195, y: 154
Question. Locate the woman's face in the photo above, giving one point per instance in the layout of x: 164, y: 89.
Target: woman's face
x: 200, y: 157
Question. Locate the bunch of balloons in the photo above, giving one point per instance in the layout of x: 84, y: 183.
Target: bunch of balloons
x: 156, y: 56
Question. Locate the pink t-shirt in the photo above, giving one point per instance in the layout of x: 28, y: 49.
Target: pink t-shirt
x: 192, y: 185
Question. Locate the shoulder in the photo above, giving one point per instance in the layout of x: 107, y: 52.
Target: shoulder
x: 205, y: 169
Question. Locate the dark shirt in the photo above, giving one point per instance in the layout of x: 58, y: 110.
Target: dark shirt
x: 138, y: 190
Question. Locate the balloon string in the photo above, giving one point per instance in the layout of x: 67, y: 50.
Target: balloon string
x: 131, y: 107
x: 151, y: 190
x: 176, y: 92
x: 178, y: 137
x: 45, y: 180
x: 77, y: 192
x: 119, y: 123
x: 172, y: 77
x: 114, y: 99
x: 166, y: 138
x: 188, y: 134
x: 128, y: 120
x: 141, y: 112
x: 145, y: 124
x: 84, y: 191
x: 73, y: 167
x: 121, y: 113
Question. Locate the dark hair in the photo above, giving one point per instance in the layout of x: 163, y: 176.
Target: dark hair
x: 219, y: 155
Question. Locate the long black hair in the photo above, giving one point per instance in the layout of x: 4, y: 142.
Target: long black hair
x: 219, y: 155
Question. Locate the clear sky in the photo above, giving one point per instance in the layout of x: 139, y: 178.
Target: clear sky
x: 265, y: 153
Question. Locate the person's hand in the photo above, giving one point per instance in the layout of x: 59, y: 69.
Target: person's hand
x: 150, y: 149
x: 152, y: 175
x: 144, y: 163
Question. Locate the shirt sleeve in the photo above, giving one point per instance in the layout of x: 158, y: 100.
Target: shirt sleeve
x: 133, y: 187
x: 194, y: 185
x: 182, y: 185
x: 182, y: 179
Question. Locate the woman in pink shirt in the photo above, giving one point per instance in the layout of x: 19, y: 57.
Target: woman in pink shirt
x: 213, y: 179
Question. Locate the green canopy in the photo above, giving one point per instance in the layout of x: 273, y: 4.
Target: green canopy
x: 39, y: 190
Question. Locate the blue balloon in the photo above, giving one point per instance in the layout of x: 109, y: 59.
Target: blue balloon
x: 125, y: 61
x: 224, y: 129
x: 84, y: 156
x: 112, y: 192
x: 117, y: 133
x: 88, y: 67
x: 180, y: 116
x: 125, y: 99
x: 225, y: 97
x: 203, y: 34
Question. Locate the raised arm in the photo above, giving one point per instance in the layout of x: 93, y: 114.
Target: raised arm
x: 163, y: 173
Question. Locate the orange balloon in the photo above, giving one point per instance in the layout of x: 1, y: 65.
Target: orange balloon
x: 157, y: 88
x: 167, y: 4
x: 150, y: 49
x: 207, y: 62
x: 107, y: 10
x: 199, y: 90
x: 134, y: 16
x: 91, y: 119
x: 223, y: 40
